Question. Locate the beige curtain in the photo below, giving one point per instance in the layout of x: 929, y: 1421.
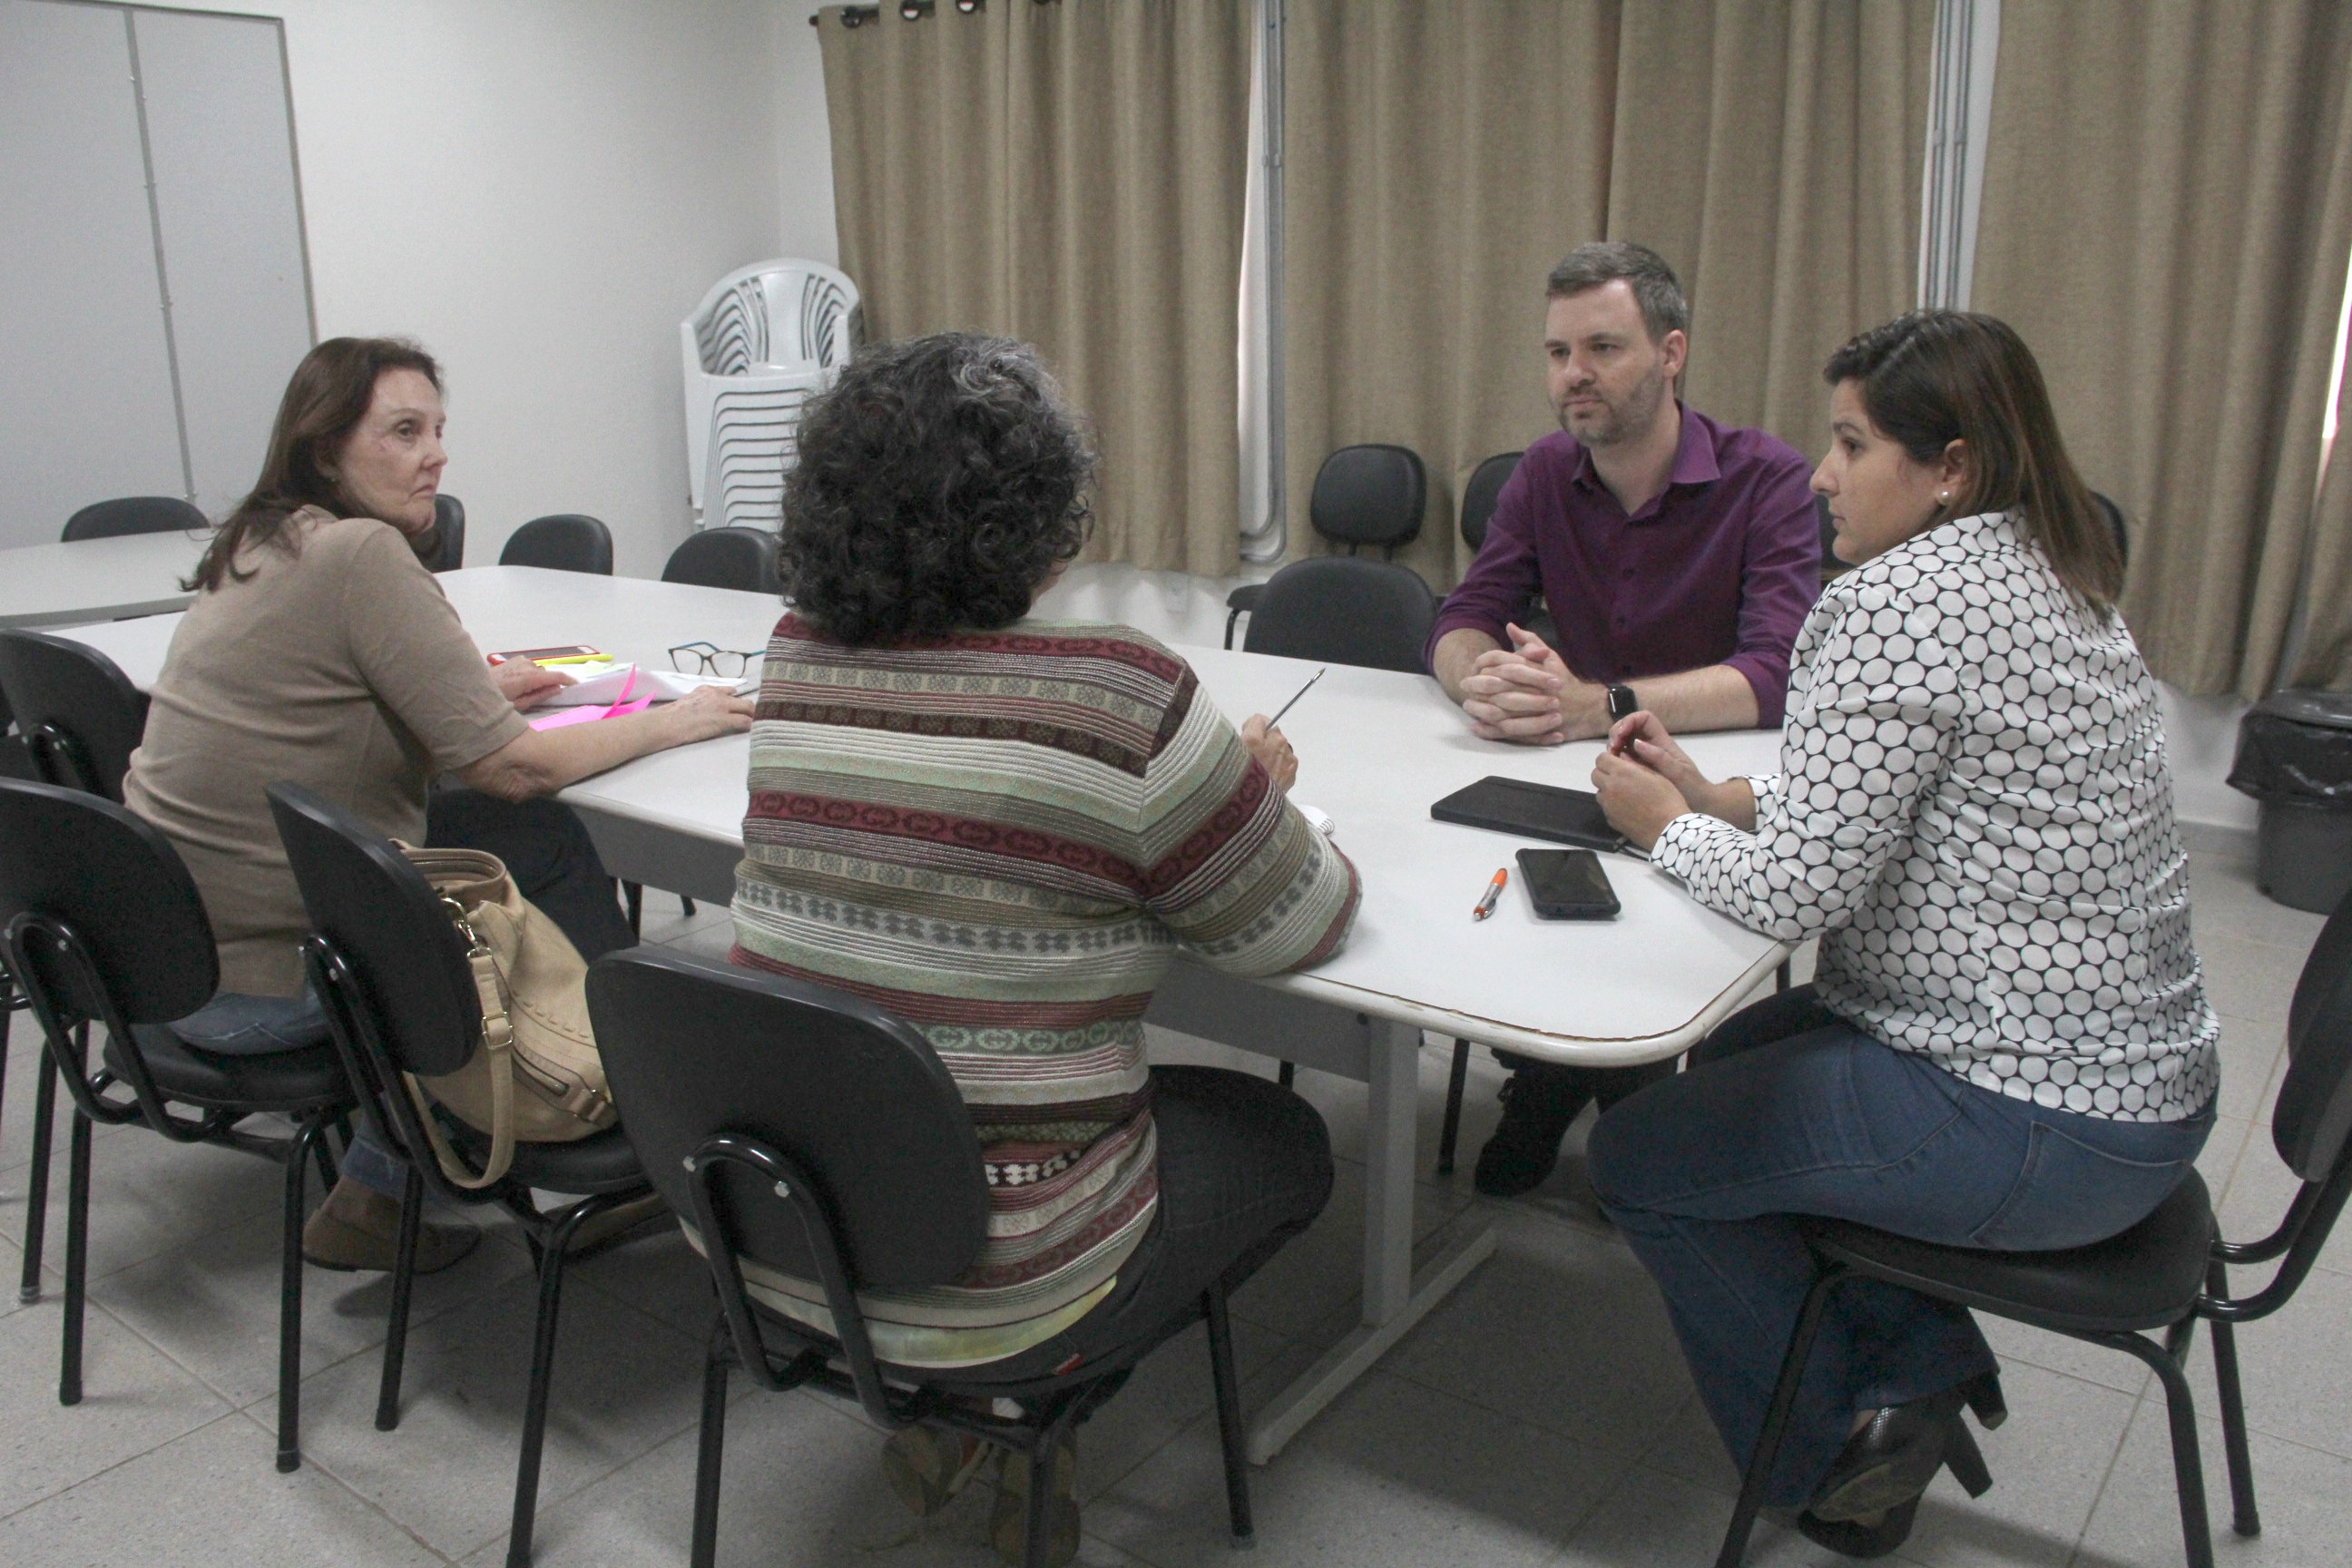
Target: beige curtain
x: 2167, y: 206
x: 2326, y: 659
x: 1072, y: 175
x: 1771, y: 153
x: 1442, y: 156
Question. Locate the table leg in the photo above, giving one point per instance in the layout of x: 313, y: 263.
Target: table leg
x: 1395, y: 1296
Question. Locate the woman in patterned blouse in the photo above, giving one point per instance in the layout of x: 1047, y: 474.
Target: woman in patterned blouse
x: 1003, y: 830
x: 2007, y: 1043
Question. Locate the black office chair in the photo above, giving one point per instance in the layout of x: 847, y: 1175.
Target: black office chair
x: 391, y: 971
x: 740, y: 558
x: 1344, y: 610
x: 1478, y: 497
x: 105, y: 926
x: 449, y: 520
x: 2166, y: 1272
x: 565, y: 542
x: 1370, y: 495
x: 817, y: 1135
x: 80, y: 715
x: 135, y: 514
x: 79, y: 720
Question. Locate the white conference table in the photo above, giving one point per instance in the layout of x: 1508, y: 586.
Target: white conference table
x: 96, y: 579
x: 1376, y: 747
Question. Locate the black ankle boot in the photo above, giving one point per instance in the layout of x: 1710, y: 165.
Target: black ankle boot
x: 1539, y: 1102
x: 1890, y: 1461
x: 1845, y: 1536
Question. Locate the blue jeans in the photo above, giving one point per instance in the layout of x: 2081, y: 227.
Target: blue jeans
x: 233, y: 1024
x: 1789, y: 1109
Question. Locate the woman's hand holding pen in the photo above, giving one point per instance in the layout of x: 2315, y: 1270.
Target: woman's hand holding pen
x: 1271, y: 750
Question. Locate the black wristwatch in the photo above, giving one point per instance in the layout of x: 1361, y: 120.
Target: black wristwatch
x: 1623, y: 703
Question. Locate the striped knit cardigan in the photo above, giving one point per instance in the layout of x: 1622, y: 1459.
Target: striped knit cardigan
x: 1003, y: 837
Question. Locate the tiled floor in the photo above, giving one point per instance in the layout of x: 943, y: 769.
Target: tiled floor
x: 1539, y: 1416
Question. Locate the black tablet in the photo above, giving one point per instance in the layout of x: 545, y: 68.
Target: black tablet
x: 1531, y: 811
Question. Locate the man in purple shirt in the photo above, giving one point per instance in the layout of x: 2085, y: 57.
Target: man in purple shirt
x: 1677, y: 559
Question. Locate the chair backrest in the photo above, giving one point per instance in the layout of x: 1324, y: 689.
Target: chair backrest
x: 383, y: 920
x: 2114, y: 516
x: 135, y: 514
x: 1372, y: 494
x: 449, y: 521
x: 854, y: 1096
x: 1478, y: 497
x: 81, y: 716
x: 567, y: 542
x: 2312, y: 1120
x: 742, y: 558
x: 780, y: 312
x: 1345, y: 610
x: 69, y: 860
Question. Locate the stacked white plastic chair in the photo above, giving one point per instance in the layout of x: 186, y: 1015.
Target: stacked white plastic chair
x: 763, y: 341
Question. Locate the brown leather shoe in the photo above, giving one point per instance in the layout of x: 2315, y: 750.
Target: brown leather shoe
x: 358, y: 1227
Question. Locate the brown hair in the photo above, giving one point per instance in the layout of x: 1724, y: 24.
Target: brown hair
x: 1654, y: 286
x: 1933, y: 377
x: 328, y: 396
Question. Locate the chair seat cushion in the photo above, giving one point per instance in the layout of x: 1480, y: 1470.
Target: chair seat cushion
x: 2146, y: 1278
x: 600, y: 1163
x: 296, y: 1080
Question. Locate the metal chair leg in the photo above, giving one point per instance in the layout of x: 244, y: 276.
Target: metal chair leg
x: 403, y: 1289
x: 1776, y: 1420
x: 2244, y: 1517
x: 1037, y: 1526
x: 1455, y: 1078
x: 542, y: 1367
x: 2188, y: 1465
x: 1287, y: 1074
x: 306, y: 1141
x: 76, y: 1257
x: 37, y: 1181
x: 686, y: 904
x: 1230, y: 1437
x: 709, y: 1452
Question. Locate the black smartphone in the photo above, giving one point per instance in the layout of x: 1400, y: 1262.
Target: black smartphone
x: 1567, y: 884
x: 1531, y: 811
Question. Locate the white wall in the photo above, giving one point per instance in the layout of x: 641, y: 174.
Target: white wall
x: 540, y: 191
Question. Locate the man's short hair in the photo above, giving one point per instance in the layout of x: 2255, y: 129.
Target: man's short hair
x: 1655, y: 289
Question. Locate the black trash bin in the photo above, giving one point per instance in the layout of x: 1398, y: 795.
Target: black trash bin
x: 2295, y: 757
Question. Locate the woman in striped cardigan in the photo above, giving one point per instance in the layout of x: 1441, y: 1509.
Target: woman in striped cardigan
x: 1003, y: 830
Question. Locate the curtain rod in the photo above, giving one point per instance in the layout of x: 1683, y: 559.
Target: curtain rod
x: 912, y: 10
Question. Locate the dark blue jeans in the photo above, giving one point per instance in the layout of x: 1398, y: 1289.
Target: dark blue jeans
x: 1789, y: 1109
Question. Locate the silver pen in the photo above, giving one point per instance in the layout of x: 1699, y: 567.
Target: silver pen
x: 1302, y: 691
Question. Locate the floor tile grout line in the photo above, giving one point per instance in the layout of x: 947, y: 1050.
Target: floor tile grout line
x: 312, y: 1463
x: 109, y: 1467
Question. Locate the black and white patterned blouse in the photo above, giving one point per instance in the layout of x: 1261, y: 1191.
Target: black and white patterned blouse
x: 1975, y: 816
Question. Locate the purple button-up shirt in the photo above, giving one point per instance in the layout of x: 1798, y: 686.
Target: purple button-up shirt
x: 1719, y: 568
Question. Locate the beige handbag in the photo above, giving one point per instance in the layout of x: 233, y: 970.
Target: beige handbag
x: 535, y: 1077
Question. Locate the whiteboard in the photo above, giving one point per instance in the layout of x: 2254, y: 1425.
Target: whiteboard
x: 223, y: 149
x: 85, y: 368
x: 154, y: 294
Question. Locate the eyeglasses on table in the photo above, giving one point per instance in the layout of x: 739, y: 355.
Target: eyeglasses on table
x: 709, y: 658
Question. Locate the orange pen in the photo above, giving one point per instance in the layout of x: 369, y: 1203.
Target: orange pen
x: 1494, y: 890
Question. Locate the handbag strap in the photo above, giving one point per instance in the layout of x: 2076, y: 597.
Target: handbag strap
x: 498, y: 1046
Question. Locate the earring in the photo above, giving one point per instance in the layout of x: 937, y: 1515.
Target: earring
x: 1943, y: 498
